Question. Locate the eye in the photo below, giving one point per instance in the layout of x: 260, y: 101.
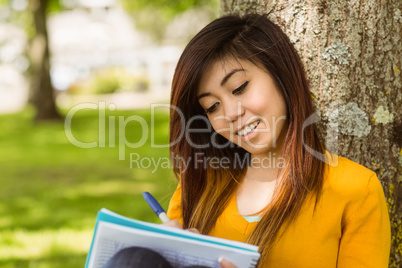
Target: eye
x: 212, y: 108
x: 240, y: 89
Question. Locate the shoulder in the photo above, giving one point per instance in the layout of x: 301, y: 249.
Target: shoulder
x: 355, y: 195
x: 348, y: 178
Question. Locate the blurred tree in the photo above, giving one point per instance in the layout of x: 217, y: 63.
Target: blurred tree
x: 42, y: 89
x: 31, y: 16
x: 153, y: 16
x: 352, y: 52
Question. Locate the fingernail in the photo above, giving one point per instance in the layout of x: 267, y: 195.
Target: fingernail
x: 220, y: 259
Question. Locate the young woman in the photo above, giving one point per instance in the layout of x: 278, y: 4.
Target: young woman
x: 249, y: 167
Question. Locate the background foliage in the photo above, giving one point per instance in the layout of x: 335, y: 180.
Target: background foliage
x: 50, y: 190
x: 153, y: 16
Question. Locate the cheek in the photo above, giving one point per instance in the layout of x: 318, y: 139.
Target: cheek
x: 217, y: 125
x: 221, y: 126
x: 267, y: 103
x: 257, y: 99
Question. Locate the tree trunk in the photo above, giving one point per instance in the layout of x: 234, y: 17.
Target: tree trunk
x: 42, y: 90
x: 352, y: 53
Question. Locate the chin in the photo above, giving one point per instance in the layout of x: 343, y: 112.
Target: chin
x: 260, y: 149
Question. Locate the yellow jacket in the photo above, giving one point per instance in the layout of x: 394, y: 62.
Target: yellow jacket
x: 350, y: 227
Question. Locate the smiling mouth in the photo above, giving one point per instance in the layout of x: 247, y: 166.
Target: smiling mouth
x: 248, y: 129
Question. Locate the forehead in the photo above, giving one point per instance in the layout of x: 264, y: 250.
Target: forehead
x: 219, y: 69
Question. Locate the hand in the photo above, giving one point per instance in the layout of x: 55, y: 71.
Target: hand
x: 176, y: 224
x: 173, y: 223
x: 226, y: 264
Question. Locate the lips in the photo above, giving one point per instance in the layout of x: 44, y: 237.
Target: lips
x: 248, y: 129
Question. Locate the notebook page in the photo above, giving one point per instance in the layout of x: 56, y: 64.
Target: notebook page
x: 180, y: 252
x: 112, y: 217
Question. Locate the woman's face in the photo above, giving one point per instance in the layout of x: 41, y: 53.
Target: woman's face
x: 244, y: 105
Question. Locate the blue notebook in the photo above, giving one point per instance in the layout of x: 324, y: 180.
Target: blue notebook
x: 114, y: 232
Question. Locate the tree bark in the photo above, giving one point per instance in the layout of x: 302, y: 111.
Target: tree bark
x: 352, y: 53
x: 43, y: 97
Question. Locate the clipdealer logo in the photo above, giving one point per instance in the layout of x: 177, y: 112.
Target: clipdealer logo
x: 204, y: 162
x: 118, y: 139
x: 117, y: 136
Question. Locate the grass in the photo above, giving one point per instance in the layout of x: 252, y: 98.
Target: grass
x: 51, y: 190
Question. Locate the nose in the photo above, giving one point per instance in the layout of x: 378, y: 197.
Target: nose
x: 233, y: 110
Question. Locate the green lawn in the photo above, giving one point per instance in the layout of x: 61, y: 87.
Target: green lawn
x: 51, y: 190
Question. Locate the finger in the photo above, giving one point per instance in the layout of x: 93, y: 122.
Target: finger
x: 226, y: 264
x: 173, y: 223
x: 194, y: 230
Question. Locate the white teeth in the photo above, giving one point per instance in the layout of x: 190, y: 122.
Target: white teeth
x: 248, y: 129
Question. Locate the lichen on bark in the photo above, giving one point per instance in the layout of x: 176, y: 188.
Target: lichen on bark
x: 349, y: 119
x: 383, y: 116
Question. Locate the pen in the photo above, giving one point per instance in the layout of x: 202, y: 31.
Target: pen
x: 159, y: 211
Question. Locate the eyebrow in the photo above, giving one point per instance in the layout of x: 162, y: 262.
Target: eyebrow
x: 224, y: 80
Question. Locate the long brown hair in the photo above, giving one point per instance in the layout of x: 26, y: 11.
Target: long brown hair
x: 205, y: 190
